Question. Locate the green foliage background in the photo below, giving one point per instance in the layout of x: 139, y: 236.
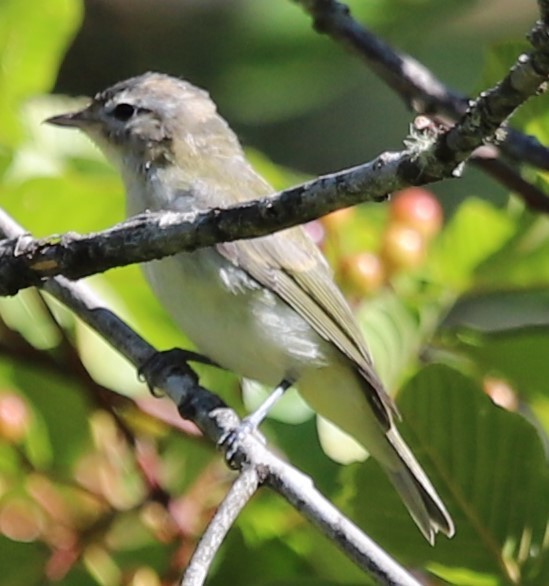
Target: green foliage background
x: 79, y: 496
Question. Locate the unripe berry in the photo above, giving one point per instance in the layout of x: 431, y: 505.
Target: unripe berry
x: 402, y: 247
x: 363, y: 272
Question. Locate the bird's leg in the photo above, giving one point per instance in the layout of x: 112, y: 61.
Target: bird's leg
x: 249, y: 424
x: 254, y: 420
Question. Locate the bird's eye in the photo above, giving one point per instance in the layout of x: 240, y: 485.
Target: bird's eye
x: 123, y: 112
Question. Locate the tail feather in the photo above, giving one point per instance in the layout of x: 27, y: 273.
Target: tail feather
x: 417, y: 492
x: 360, y: 419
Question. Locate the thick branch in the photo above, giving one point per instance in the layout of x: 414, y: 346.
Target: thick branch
x: 411, y: 80
x: 432, y: 155
x: 26, y: 262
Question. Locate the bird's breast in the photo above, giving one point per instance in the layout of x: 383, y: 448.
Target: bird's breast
x: 233, y: 319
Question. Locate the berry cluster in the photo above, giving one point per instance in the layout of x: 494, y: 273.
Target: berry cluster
x: 415, y: 218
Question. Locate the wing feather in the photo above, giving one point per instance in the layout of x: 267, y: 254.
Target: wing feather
x: 291, y: 266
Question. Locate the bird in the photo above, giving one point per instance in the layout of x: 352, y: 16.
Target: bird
x: 266, y: 308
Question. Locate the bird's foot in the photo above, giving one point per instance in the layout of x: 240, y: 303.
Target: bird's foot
x: 231, y: 441
x: 175, y: 358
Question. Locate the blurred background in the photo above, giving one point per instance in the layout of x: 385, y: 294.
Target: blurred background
x: 102, y: 484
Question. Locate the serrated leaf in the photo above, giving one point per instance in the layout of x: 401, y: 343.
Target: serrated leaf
x: 489, y: 468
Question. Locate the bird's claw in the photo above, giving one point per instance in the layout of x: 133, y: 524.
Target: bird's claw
x: 231, y: 441
x: 159, y: 361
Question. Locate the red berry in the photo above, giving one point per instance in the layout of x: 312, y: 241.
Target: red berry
x: 418, y: 208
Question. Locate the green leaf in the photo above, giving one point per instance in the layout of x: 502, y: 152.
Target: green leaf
x: 22, y: 563
x: 499, y: 311
x: 519, y: 356
x: 33, y: 37
x: 489, y: 468
x: 475, y: 232
x: 393, y: 333
x: 53, y: 205
x: 522, y: 261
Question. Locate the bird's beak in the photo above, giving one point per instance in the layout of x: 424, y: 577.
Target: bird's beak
x: 79, y: 119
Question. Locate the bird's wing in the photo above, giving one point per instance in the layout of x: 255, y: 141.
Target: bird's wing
x: 290, y: 265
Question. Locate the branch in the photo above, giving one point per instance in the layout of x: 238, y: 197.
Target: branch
x: 216, y: 420
x: 240, y: 493
x: 411, y: 80
x: 544, y: 10
x: 26, y: 262
x: 533, y: 197
x: 485, y: 116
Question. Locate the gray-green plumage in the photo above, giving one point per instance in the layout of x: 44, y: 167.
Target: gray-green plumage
x: 266, y: 308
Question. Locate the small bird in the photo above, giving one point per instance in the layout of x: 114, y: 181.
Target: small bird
x: 266, y: 308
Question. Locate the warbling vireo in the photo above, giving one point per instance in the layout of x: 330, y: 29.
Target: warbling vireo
x: 268, y: 308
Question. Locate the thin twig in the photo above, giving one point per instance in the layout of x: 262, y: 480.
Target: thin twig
x: 236, y: 499
x: 532, y: 196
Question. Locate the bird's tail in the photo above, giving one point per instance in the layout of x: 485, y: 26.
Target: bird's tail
x: 360, y: 419
x: 417, y: 492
